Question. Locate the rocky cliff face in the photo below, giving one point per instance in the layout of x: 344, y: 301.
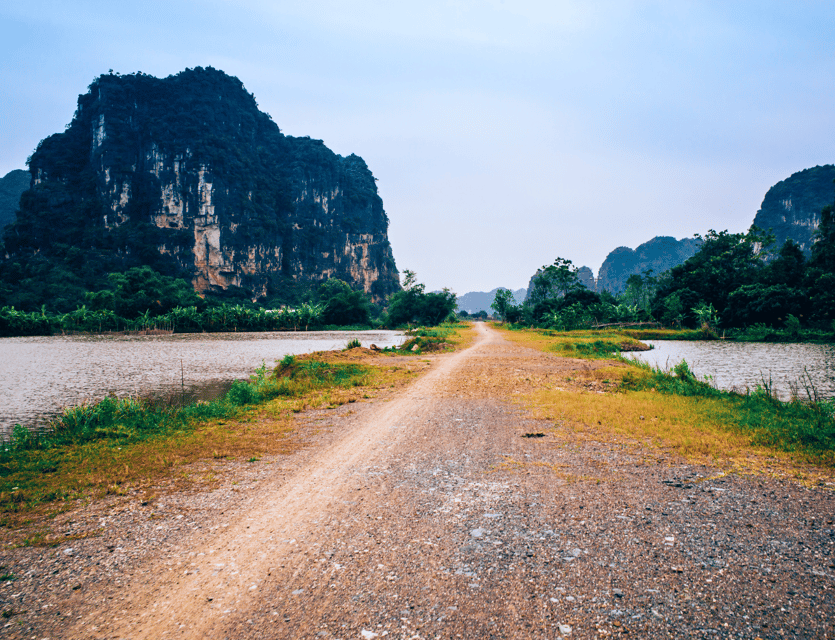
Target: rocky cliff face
x: 189, y: 169
x: 586, y: 277
x: 792, y: 207
x: 659, y: 254
x: 12, y: 186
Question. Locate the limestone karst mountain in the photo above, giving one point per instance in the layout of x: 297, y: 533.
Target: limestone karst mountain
x: 659, y: 254
x: 792, y: 207
x: 187, y: 175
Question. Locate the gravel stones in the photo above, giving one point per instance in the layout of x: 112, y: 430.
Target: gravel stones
x: 461, y: 527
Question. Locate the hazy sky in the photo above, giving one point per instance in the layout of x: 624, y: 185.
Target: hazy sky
x: 503, y: 134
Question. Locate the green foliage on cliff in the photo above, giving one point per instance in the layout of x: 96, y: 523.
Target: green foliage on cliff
x: 342, y: 305
x: 142, y: 290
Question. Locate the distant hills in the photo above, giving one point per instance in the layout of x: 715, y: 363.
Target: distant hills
x: 476, y: 301
x: 792, y: 207
x: 659, y: 254
x: 790, y: 210
x: 12, y: 185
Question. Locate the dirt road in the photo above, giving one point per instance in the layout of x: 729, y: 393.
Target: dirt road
x: 432, y: 515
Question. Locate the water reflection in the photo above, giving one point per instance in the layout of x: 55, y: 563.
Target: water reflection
x: 41, y: 375
x: 741, y: 365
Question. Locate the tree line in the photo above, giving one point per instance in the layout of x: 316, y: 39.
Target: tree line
x: 736, y: 282
x: 142, y: 300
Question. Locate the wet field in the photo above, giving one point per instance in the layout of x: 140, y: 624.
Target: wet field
x: 40, y: 375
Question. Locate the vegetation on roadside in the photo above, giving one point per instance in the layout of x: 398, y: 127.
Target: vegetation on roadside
x: 804, y: 426
x: 121, y: 445
x: 414, y: 306
x: 577, y: 344
x: 444, y: 337
x: 675, y: 409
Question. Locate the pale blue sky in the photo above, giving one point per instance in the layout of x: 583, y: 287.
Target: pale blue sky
x: 503, y: 134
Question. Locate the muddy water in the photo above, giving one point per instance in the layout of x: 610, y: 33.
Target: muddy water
x: 741, y: 365
x: 39, y: 376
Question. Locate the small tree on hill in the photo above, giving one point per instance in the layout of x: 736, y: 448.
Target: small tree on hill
x: 413, y: 305
x: 503, y: 305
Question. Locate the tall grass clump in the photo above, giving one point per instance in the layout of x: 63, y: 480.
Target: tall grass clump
x: 441, y: 337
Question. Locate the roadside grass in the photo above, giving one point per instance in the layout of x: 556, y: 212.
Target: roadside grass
x: 585, y: 344
x: 121, y: 446
x: 675, y: 410
x: 444, y: 337
x: 666, y: 334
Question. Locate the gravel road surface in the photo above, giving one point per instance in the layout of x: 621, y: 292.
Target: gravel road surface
x: 439, y: 512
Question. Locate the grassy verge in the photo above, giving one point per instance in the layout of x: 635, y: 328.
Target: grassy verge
x: 586, y: 344
x: 676, y: 411
x: 444, y: 337
x: 119, y: 446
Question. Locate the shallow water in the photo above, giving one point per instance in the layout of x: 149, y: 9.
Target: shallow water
x: 741, y: 365
x: 41, y: 375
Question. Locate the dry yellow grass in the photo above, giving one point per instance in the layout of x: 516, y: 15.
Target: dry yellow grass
x: 97, y: 469
x: 698, y: 429
x: 195, y: 455
x: 464, y: 336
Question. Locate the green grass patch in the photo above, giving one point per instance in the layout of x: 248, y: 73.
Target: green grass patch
x: 109, y: 446
x: 668, y: 334
x: 443, y: 337
x: 678, y: 409
x: 801, y: 427
x: 581, y: 343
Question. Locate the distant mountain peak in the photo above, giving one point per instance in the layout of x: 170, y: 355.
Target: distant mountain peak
x: 476, y: 301
x: 12, y: 186
x: 659, y: 254
x: 792, y: 207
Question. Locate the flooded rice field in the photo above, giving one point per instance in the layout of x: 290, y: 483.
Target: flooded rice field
x: 788, y: 368
x: 41, y: 375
